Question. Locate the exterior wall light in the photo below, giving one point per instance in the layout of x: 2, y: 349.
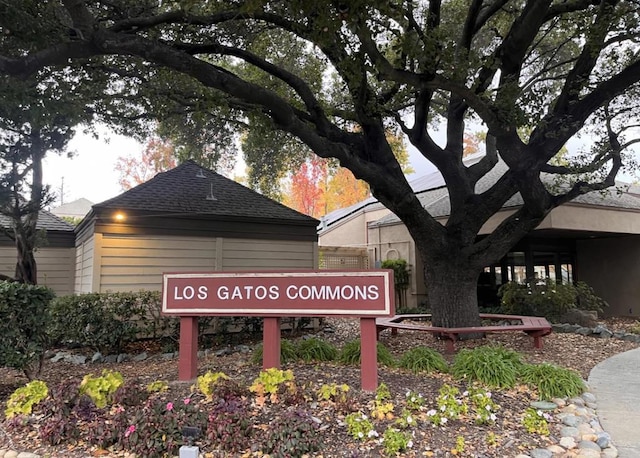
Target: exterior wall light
x: 119, y: 217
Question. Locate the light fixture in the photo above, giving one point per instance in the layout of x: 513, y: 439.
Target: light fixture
x: 119, y: 217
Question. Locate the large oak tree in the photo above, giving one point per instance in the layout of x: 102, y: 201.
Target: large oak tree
x: 552, y: 68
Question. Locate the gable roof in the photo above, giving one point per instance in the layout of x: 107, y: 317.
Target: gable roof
x: 191, y: 190
x: 77, y: 208
x: 46, y: 221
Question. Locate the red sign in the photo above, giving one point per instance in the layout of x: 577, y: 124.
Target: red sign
x: 299, y: 293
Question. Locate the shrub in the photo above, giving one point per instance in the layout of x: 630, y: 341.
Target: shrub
x: 548, y: 298
x: 401, y: 280
x: 23, y: 399
x: 350, y: 354
x: 423, y: 359
x: 315, y: 349
x: 536, y: 421
x: 288, y: 352
x: 24, y: 315
x: 494, y: 366
x: 552, y: 381
x: 395, y: 441
x: 207, y: 383
x: 130, y: 394
x: 294, y: 433
x: 359, y: 426
x: 104, y: 322
x: 273, y: 382
x: 101, y: 389
x: 229, y: 425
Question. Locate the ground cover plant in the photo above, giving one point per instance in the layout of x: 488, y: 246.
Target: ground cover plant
x: 241, y: 410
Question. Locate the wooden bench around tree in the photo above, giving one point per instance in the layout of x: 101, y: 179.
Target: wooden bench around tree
x: 536, y: 327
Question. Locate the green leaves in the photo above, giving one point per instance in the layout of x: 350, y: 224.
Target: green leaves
x: 24, y: 315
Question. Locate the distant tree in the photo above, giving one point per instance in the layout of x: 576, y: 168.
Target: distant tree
x: 157, y: 156
x: 343, y: 190
x: 306, y: 190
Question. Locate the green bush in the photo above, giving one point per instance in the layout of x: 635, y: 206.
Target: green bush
x: 552, y: 381
x: 492, y: 365
x: 315, y: 349
x: 294, y: 434
x: 24, y: 314
x: 350, y: 354
x: 108, y: 321
x: 547, y: 298
x: 423, y: 359
x: 288, y: 352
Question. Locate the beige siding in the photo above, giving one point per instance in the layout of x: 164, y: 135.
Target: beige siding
x: 268, y: 254
x: 612, y: 268
x: 8, y: 260
x: 352, y: 231
x: 55, y: 267
x: 84, y: 266
x: 133, y: 263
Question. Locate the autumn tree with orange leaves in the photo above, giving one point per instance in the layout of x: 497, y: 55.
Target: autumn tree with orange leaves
x: 157, y: 156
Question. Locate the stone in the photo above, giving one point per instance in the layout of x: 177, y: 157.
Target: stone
x: 141, y: 357
x: 11, y: 454
x: 577, y: 402
x: 168, y: 356
x: 243, y: 348
x: 572, y: 420
x: 222, y: 352
x: 584, y: 318
x: 556, y: 449
x: 540, y: 453
x: 610, y: 452
x: 570, y: 431
x: 584, y: 331
x: 544, y: 405
x: 585, y: 428
x: 589, y: 445
x: 27, y: 455
x: 76, y: 359
x: 567, y: 442
x: 110, y: 359
x: 122, y: 357
x: 96, y: 358
x: 589, y: 437
x: 588, y: 397
x: 559, y: 402
x: 606, y: 334
x: 603, y: 440
x: 588, y: 453
x: 59, y: 356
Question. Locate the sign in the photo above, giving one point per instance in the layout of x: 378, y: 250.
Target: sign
x: 300, y: 293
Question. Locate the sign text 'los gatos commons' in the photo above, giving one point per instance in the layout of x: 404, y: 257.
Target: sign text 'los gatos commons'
x: 297, y: 293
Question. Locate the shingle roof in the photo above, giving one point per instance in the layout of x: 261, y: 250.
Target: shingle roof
x: 46, y: 221
x: 190, y: 189
x: 77, y: 208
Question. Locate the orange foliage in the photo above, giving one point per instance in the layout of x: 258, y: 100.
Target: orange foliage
x: 157, y: 156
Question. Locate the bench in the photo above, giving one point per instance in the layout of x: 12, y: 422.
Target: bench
x: 536, y: 327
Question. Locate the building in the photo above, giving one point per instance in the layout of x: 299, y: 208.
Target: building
x: 595, y: 238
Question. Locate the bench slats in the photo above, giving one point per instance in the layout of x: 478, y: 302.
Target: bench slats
x: 536, y: 327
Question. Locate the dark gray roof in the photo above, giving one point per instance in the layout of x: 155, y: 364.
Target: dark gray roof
x: 192, y: 190
x: 46, y: 221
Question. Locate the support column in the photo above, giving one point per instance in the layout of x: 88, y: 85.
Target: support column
x: 188, y: 348
x: 271, y: 343
x: 368, y: 354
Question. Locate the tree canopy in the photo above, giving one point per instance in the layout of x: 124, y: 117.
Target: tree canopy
x: 336, y: 76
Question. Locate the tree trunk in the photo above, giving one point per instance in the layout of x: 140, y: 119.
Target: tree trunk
x: 452, y: 293
x: 26, y: 267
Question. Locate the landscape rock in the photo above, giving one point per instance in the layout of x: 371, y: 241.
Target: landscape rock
x: 585, y: 318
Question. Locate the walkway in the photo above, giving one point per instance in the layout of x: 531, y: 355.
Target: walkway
x: 616, y: 384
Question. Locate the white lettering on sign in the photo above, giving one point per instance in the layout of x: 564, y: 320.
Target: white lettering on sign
x: 333, y: 293
x: 189, y: 292
x: 259, y: 292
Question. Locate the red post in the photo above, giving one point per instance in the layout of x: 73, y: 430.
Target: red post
x: 271, y: 343
x: 188, y: 348
x: 368, y: 354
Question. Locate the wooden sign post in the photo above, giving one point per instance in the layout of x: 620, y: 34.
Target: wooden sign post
x: 272, y: 295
